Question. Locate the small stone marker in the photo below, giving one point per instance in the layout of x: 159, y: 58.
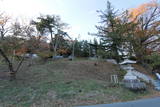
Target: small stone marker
x: 114, y: 79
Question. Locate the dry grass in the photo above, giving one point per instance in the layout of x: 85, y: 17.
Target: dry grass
x: 64, y: 83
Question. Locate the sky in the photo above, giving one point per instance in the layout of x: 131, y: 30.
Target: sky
x: 81, y: 15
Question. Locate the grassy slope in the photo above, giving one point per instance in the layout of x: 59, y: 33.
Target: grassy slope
x: 64, y: 83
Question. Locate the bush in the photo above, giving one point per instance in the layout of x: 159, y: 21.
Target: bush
x: 133, y: 58
x: 102, y: 53
x: 45, y: 54
x: 122, y: 73
x: 154, y: 60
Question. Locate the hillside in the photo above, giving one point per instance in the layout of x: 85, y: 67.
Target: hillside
x: 64, y: 83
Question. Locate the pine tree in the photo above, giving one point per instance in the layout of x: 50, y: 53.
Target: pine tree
x: 110, y: 31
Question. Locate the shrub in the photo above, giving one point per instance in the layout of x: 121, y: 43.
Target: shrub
x: 102, y: 53
x: 154, y: 61
x: 45, y: 54
x: 133, y: 58
x: 122, y: 73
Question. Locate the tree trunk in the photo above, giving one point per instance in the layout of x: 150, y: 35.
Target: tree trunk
x: 51, y: 44
x: 12, y: 76
x: 10, y: 65
x: 56, y: 45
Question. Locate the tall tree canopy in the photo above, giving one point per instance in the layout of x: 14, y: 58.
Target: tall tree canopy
x: 111, y: 31
x: 146, y: 18
x: 51, y: 24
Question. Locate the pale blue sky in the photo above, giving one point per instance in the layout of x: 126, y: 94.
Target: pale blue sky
x: 79, y: 14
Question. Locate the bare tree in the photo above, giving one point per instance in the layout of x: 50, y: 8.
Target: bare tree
x: 8, y: 43
x: 146, y: 18
x: 4, y: 19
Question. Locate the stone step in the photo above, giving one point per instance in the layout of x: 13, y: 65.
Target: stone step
x: 157, y: 82
x: 131, y: 71
x: 156, y: 85
x: 157, y: 88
